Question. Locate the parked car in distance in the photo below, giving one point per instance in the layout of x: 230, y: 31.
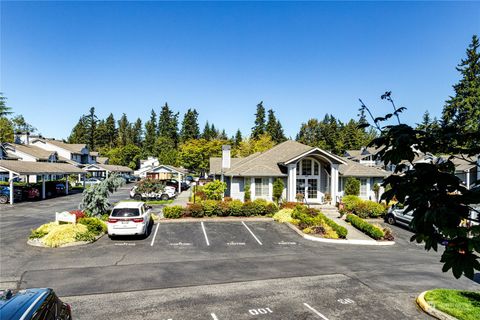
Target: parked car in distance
x: 5, y: 194
x: 31, y: 193
x: 166, y: 194
x: 174, y: 183
x: 397, y: 215
x: 92, y: 181
x: 60, y: 189
x: 33, y: 304
x: 129, y: 218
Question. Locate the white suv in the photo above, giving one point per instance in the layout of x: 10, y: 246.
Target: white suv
x: 129, y: 218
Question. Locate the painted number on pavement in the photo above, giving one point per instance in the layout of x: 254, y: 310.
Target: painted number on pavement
x: 346, y: 301
x: 260, y: 311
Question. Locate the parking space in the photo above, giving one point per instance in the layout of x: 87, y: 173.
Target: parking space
x: 327, y: 297
x: 223, y: 235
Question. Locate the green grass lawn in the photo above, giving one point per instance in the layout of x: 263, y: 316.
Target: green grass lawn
x: 464, y: 305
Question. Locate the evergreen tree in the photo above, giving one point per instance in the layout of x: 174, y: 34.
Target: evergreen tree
x: 274, y: 128
x: 238, y: 138
x: 150, y: 134
x: 461, y: 113
x: 223, y: 135
x: 4, y: 110
x: 123, y: 131
x: 6, y: 130
x: 101, y: 138
x: 168, y: 124
x: 110, y: 131
x: 259, y: 127
x: 428, y: 124
x: 137, y: 132
x: 206, y: 134
x: 20, y: 125
x: 91, y: 126
x: 190, y: 129
x: 165, y: 151
x: 79, y: 133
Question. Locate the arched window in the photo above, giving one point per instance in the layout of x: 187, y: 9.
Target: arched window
x: 308, y: 167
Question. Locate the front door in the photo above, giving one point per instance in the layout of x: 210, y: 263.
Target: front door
x: 309, y: 188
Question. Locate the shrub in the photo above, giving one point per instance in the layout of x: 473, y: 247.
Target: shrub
x: 195, y: 210
x: 352, y: 186
x: 210, y: 208
x: 35, y: 234
x: 289, y: 205
x: 365, y: 209
x: 283, y: 216
x: 223, y: 209
x: 309, y: 217
x: 367, y: 228
x: 173, y: 212
x: 94, y: 225
x: 63, y: 234
x: 248, y: 209
x: 259, y: 207
x: 200, y: 195
x: 86, y: 236
x: 214, y: 190
x: 95, y: 199
x: 247, y: 195
x: 79, y: 214
x: 271, y: 209
x: 278, y: 187
x: 350, y: 202
x: 236, y: 207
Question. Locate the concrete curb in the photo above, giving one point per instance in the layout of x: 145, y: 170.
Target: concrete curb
x: 220, y: 219
x: 38, y: 244
x: 431, y: 310
x: 340, y: 241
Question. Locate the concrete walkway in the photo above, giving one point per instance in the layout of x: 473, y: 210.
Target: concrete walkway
x: 182, y: 199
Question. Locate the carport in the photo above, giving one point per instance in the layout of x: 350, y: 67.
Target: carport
x: 164, y: 171
x: 28, y: 168
x: 103, y: 170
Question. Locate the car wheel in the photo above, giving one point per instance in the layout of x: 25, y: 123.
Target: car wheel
x: 391, y: 219
x: 137, y: 197
x: 164, y: 197
x: 3, y: 199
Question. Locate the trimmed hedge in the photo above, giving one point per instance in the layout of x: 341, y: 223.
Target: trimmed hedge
x: 209, y: 208
x: 367, y: 228
x: 94, y: 225
x: 173, y: 212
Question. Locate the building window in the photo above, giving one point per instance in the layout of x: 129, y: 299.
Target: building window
x: 306, y: 167
x: 261, y: 187
x: 315, y: 168
x: 298, y: 168
x: 363, y: 187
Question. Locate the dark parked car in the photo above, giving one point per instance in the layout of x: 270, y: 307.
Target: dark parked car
x: 31, y: 193
x: 33, y: 304
x: 5, y: 194
x: 174, y: 183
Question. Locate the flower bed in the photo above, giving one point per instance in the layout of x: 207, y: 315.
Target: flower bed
x: 53, y: 234
x: 373, y: 231
x: 214, y: 208
x: 311, y: 221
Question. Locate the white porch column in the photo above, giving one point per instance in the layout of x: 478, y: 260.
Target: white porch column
x: 333, y: 183
x: 84, y: 180
x: 180, y: 183
x: 106, y: 174
x: 66, y: 186
x: 468, y: 178
x: 291, y: 182
x: 368, y: 189
x: 43, y: 186
x: 10, y: 179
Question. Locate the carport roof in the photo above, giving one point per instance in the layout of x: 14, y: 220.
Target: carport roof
x: 38, y: 168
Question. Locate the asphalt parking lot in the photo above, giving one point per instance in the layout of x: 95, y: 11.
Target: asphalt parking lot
x: 231, y: 269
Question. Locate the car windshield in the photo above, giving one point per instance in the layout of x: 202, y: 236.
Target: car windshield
x: 125, y: 212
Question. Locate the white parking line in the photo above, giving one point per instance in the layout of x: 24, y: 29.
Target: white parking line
x: 315, y: 311
x: 154, y: 235
x: 206, y: 238
x: 214, y: 317
x: 259, y: 242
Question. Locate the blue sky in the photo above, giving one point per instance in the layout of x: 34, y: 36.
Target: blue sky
x: 302, y: 59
